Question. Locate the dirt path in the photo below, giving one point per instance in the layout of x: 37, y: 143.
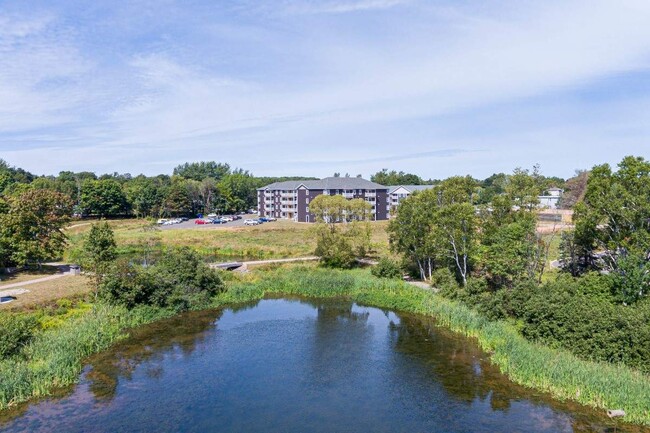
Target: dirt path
x: 26, y: 283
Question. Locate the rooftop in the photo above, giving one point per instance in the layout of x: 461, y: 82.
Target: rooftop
x: 327, y: 183
x: 409, y: 188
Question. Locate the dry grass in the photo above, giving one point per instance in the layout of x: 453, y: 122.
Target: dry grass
x: 48, y: 291
x: 279, y: 239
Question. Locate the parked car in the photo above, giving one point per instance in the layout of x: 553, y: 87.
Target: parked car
x: 217, y: 221
x: 226, y: 219
x: 251, y: 223
x: 271, y: 219
x: 199, y: 221
x: 161, y: 221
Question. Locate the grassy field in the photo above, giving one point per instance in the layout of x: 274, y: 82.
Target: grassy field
x: 279, y: 239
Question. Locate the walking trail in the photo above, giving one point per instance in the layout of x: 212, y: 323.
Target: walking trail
x: 26, y: 283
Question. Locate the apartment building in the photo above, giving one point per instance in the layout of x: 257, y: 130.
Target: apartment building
x: 399, y: 192
x: 290, y: 199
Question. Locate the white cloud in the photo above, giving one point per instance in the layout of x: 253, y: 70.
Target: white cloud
x: 317, y: 73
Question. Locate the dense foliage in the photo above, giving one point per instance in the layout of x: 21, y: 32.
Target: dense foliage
x: 612, y: 230
x: 99, y: 252
x: 17, y: 331
x: 180, y: 280
x: 31, y: 226
x: 493, y: 259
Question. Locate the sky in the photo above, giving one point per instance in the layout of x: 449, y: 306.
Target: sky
x: 306, y: 87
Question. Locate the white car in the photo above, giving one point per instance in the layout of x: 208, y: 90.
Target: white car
x: 226, y: 219
x: 251, y: 223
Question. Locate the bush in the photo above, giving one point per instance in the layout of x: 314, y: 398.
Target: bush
x: 179, y: 280
x: 386, y: 268
x: 562, y: 315
x: 445, y: 281
x: 16, y: 330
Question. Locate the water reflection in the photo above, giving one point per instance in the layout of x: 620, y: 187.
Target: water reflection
x: 294, y: 366
x: 151, y: 344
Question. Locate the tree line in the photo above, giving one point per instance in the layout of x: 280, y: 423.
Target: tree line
x: 198, y: 187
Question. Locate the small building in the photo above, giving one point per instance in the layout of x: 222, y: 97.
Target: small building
x: 551, y: 199
x: 290, y: 199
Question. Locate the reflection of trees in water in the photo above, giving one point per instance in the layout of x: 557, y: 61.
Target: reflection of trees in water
x: 147, y: 344
x: 342, y: 336
x: 450, y: 360
x: 466, y: 373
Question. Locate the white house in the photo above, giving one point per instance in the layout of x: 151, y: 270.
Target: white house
x: 551, y: 198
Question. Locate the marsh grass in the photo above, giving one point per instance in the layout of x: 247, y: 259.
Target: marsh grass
x: 55, y: 358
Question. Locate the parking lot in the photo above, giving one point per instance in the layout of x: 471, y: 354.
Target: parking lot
x: 191, y: 225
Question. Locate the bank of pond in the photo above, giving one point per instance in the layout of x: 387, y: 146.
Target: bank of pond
x: 300, y: 349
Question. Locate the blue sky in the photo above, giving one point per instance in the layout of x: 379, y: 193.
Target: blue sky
x: 305, y: 87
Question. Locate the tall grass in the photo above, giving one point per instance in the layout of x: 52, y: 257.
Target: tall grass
x: 561, y: 374
x: 55, y: 357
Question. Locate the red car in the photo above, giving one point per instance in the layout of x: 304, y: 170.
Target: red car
x: 201, y: 222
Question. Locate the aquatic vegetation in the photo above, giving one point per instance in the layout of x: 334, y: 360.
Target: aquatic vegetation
x: 55, y: 357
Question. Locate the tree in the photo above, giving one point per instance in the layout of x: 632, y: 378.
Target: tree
x: 239, y: 190
x: 146, y: 195
x: 100, y: 251
x: 32, y: 227
x: 202, y: 170
x: 511, y: 250
x: 410, y: 232
x: 342, y: 229
x: 524, y: 187
x: 614, y: 218
x: 178, y: 201
x: 103, y: 198
x: 455, y: 228
x: 575, y: 189
x: 385, y: 177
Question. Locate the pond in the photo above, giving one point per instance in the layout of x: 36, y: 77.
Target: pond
x: 290, y: 365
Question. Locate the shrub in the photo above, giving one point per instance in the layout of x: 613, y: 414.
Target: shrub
x: 386, y: 268
x: 16, y: 330
x: 179, y: 280
x: 445, y: 281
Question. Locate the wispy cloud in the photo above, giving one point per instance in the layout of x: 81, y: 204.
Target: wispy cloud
x: 319, y: 79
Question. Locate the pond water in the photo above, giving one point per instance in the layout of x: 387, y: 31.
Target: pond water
x: 284, y: 365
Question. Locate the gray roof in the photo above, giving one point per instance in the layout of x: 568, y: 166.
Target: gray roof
x: 327, y: 183
x: 410, y: 188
